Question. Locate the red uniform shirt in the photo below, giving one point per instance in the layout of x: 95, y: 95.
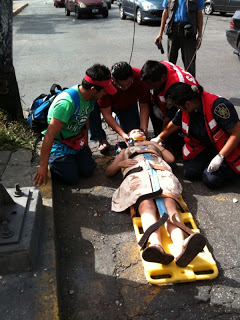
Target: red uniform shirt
x: 126, y: 99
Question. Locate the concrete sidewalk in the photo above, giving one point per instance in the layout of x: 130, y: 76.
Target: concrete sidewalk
x: 33, y: 294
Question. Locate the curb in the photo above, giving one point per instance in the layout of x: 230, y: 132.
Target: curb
x: 49, y: 309
x: 18, y: 7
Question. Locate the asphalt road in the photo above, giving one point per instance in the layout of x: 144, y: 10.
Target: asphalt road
x: 100, y: 271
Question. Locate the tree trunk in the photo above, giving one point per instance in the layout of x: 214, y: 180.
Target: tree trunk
x: 9, y: 94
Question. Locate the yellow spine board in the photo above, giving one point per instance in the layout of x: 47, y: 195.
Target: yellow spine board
x: 203, y: 266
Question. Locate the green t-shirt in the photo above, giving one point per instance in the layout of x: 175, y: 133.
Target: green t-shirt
x: 63, y: 108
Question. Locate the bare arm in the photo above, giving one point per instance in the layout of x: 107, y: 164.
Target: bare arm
x: 107, y: 114
x: 163, y: 22
x: 200, y: 26
x: 170, y: 128
x: 118, y: 163
x: 54, y: 127
x: 144, y: 115
x: 233, y: 140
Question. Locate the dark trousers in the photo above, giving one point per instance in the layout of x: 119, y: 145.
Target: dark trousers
x: 70, y: 167
x: 128, y: 119
x: 197, y: 168
x: 95, y: 125
x: 187, y: 46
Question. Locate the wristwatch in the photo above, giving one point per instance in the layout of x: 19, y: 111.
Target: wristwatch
x: 221, y: 156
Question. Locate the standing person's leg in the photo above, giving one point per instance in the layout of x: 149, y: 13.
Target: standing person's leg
x: 128, y: 119
x: 154, y: 252
x: 173, y: 45
x: 189, y: 54
x: 96, y: 131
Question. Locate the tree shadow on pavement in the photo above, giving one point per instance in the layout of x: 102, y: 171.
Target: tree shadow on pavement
x: 100, y: 274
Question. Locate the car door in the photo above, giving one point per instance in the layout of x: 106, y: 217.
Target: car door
x: 233, y: 5
x: 128, y: 6
x: 221, y: 5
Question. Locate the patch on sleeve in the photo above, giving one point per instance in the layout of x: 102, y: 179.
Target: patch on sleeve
x: 222, y: 111
x: 169, y: 102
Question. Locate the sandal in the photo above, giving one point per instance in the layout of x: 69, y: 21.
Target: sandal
x: 155, y: 253
x: 195, y: 244
x: 103, y: 146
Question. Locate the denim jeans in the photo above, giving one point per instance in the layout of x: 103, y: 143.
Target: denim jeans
x: 69, y: 168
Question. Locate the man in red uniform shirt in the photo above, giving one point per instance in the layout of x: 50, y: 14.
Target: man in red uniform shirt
x: 130, y: 91
x: 160, y: 78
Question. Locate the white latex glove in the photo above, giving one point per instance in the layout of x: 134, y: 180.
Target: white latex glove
x: 215, y: 163
x: 157, y: 140
x: 158, y: 113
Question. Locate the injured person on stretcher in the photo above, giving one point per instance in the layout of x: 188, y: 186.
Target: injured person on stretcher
x: 137, y: 189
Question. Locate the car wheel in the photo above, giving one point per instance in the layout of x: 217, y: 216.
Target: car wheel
x: 139, y: 16
x: 67, y: 12
x: 77, y: 13
x: 122, y: 13
x: 105, y: 14
x: 208, y: 9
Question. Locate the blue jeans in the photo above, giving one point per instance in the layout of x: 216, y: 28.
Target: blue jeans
x: 128, y: 119
x: 95, y: 125
x: 70, y: 167
x: 197, y: 168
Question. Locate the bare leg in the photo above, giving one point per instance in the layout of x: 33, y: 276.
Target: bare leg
x: 154, y: 252
x: 148, y: 212
x: 185, y: 250
x: 176, y: 234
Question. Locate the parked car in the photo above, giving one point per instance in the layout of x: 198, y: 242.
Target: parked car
x: 233, y: 33
x: 86, y: 7
x: 59, y: 3
x: 222, y: 6
x: 143, y: 10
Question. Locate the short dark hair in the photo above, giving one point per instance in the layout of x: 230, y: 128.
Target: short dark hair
x: 153, y: 71
x: 183, y: 92
x: 121, y: 71
x: 97, y: 72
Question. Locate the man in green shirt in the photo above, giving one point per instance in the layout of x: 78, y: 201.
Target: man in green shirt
x: 65, y: 144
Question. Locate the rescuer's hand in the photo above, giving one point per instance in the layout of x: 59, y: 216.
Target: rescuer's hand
x: 215, y: 163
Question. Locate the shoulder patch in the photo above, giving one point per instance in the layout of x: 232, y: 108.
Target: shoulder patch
x: 222, y: 111
x: 169, y: 102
